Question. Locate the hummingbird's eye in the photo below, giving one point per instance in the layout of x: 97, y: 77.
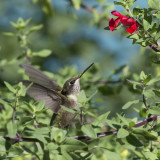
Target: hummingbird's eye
x: 72, y: 82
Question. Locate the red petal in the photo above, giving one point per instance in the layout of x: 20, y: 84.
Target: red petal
x: 116, y: 13
x: 132, y: 28
x: 117, y: 22
x: 112, y: 24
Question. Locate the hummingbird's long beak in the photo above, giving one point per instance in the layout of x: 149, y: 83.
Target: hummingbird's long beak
x: 79, y: 76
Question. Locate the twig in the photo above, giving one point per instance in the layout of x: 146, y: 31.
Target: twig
x: 144, y: 101
x: 14, y: 110
x: 85, y: 137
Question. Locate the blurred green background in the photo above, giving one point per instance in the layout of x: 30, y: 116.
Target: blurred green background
x: 76, y: 38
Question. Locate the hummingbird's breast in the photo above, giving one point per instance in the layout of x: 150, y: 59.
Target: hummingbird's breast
x: 66, y: 117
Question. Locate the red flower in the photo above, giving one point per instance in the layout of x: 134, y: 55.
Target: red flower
x: 124, y: 20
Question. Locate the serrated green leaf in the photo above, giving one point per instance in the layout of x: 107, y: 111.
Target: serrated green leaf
x: 15, y: 151
x: 82, y: 97
x: 10, y: 87
x: 66, y: 155
x: 123, y: 119
x: 2, y: 144
x: 58, y: 134
x: 68, y: 109
x: 11, y: 129
x: 133, y: 141
x: 154, y: 110
x: 143, y: 76
x: 146, y: 134
x: 150, y: 155
x: 122, y: 133
x: 130, y: 103
x: 149, y: 93
x: 26, y: 119
x: 154, y: 4
x: 154, y: 80
x: 40, y: 106
x: 43, y: 130
x: 72, y: 145
x: 88, y: 130
x: 101, y: 120
x: 119, y: 3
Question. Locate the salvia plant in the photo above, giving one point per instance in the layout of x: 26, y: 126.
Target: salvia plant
x: 25, y: 129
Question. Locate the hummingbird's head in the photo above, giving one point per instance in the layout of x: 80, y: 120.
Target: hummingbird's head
x: 72, y: 85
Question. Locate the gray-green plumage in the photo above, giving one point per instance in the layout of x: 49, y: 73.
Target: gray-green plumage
x: 43, y: 88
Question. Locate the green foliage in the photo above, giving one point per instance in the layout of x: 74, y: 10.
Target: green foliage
x: 25, y: 132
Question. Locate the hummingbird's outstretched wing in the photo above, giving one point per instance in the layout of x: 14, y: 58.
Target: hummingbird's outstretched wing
x: 38, y: 77
x: 52, y: 99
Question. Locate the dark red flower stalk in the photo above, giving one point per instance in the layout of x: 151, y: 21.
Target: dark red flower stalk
x: 133, y: 25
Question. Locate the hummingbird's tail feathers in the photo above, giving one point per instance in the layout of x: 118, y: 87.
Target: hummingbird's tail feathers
x: 37, y: 92
x: 38, y: 77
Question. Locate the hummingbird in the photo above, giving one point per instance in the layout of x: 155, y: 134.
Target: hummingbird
x: 43, y: 88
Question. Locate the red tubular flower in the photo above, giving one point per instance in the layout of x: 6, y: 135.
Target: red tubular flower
x: 124, y: 20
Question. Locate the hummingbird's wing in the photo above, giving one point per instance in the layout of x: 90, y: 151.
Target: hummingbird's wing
x: 52, y: 99
x: 38, y: 77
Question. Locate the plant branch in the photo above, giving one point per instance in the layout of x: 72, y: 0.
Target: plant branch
x: 85, y: 137
x: 14, y: 110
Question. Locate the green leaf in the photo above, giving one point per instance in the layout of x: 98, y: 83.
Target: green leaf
x: 40, y: 106
x: 40, y: 137
x: 122, y: 133
x: 82, y: 97
x: 76, y: 4
x: 154, y: 4
x: 35, y: 28
x: 143, y: 76
x: 135, y: 83
x: 111, y: 155
x: 2, y: 144
x: 150, y: 155
x: 130, y: 103
x: 88, y: 130
x: 10, y: 87
x: 145, y: 81
x: 107, y: 28
x: 42, y: 53
x: 42, y: 131
x: 133, y: 141
x: 149, y: 93
x: 154, y: 110
x: 154, y: 80
x: 119, y: 3
x: 137, y: 11
x: 26, y: 119
x: 66, y: 155
x: 147, y: 135
x: 147, y: 20
x: 101, y: 120
x: 12, y: 129
x: 52, y: 146
x: 15, y: 151
x: 72, y: 145
x: 123, y: 119
x: 58, y: 134
x: 9, y: 34
x: 68, y: 109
